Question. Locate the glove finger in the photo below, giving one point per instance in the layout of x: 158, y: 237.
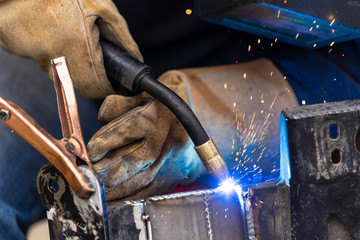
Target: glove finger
x: 141, y: 180
x: 157, y: 177
x: 122, y: 164
x: 115, y: 106
x: 131, y: 127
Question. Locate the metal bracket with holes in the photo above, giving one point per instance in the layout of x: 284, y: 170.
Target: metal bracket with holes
x: 323, y: 147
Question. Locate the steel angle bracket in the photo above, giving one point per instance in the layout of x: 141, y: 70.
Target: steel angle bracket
x: 323, y: 149
x: 198, y: 215
x: 69, y: 216
x: 270, y: 211
x: 262, y: 213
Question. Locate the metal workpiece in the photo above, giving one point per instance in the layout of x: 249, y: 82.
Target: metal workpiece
x: 212, y: 160
x: 208, y: 214
x: 261, y: 213
x: 249, y: 217
x: 69, y: 216
x: 270, y: 209
x: 304, y: 23
x: 145, y: 217
x: 324, y: 155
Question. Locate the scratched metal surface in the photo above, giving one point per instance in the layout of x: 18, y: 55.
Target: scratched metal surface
x: 69, y: 216
x: 208, y: 214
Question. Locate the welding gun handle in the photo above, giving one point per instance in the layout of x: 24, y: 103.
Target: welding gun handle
x: 129, y: 76
x: 123, y: 70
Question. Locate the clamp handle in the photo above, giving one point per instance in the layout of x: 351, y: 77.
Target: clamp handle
x: 63, y: 154
x: 54, y: 150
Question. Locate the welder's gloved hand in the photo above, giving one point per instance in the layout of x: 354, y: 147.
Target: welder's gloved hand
x: 48, y: 29
x: 143, y: 149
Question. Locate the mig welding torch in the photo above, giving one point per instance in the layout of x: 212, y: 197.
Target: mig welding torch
x: 129, y: 76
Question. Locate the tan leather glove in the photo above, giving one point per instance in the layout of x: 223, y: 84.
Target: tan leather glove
x: 47, y: 29
x: 143, y: 147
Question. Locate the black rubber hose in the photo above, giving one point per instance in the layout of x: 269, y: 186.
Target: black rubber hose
x: 129, y: 76
x: 123, y: 70
x: 180, y: 108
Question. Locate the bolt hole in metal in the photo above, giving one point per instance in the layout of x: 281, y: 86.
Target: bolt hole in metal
x: 336, y: 156
x: 54, y: 186
x: 334, y: 131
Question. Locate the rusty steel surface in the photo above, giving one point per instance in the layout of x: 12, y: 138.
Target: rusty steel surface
x: 270, y: 206
x: 69, y: 216
x: 324, y: 154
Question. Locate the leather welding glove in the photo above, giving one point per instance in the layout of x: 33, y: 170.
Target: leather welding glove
x: 143, y: 147
x: 46, y: 29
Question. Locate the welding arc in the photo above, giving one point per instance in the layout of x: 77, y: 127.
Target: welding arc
x: 129, y: 76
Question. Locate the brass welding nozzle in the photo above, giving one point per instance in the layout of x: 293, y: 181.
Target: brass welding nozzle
x: 212, y: 160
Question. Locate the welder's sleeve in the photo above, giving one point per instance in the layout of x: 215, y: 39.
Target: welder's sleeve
x: 48, y: 29
x: 143, y: 149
